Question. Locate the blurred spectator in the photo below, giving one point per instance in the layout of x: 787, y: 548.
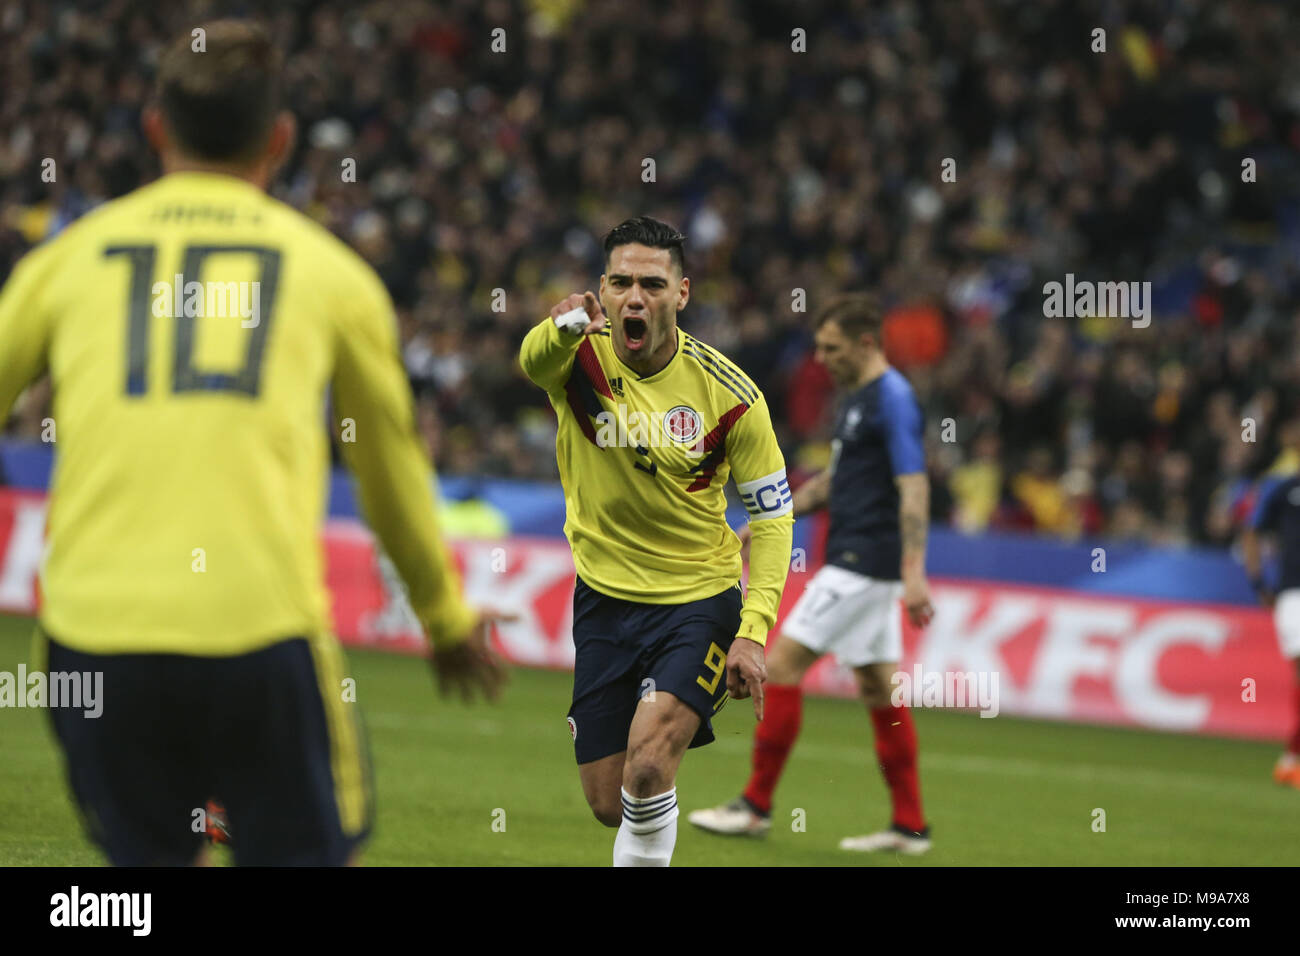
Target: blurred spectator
x: 976, y: 486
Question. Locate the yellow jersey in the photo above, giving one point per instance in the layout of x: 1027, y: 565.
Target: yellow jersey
x: 193, y: 331
x: 644, y: 463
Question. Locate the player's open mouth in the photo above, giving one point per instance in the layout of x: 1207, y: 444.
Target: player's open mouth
x: 634, y: 331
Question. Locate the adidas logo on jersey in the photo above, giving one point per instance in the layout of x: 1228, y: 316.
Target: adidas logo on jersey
x: 616, y: 386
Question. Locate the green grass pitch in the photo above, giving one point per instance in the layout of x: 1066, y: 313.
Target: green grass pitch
x: 997, y: 792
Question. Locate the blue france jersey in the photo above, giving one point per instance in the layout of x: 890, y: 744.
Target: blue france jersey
x: 878, y: 436
x: 1278, y: 510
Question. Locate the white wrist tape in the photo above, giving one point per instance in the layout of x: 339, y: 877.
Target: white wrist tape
x: 573, y: 322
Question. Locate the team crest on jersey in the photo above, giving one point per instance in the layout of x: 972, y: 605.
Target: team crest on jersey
x: 851, y: 419
x: 682, y: 424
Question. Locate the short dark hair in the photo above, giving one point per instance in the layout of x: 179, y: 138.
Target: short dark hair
x: 220, y: 103
x: 856, y: 313
x: 648, y: 232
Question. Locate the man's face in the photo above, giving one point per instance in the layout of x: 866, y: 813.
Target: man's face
x: 843, y: 357
x: 642, y: 292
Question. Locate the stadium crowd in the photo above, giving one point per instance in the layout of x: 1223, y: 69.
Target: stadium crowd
x: 802, y: 151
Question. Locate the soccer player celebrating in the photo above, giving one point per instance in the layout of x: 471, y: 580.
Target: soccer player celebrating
x: 184, y: 555
x: 651, y: 423
x: 878, y: 495
x: 1278, y: 513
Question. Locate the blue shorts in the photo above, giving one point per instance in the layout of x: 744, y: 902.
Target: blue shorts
x: 625, y: 649
x: 255, y: 732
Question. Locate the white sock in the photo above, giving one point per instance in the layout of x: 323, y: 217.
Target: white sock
x: 649, y: 830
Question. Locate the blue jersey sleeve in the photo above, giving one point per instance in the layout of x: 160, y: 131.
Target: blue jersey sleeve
x: 1268, y: 505
x: 902, y: 420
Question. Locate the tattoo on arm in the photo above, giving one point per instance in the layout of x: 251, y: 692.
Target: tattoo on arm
x: 913, y: 513
x: 913, y: 527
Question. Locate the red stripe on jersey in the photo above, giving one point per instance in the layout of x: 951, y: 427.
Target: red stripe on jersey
x: 586, y: 380
x: 591, y: 366
x: 579, y: 411
x: 714, y: 447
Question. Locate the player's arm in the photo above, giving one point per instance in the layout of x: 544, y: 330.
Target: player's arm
x: 548, y: 350
x: 913, y: 524
x: 397, y: 488
x: 1262, y: 521
x: 904, y: 440
x: 758, y: 468
x: 24, y: 328
x: 813, y: 494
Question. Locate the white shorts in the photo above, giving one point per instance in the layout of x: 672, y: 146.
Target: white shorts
x: 1286, y: 617
x: 854, y: 617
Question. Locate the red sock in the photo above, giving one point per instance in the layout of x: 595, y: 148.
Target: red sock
x: 776, y: 733
x: 1293, y: 745
x: 896, y: 748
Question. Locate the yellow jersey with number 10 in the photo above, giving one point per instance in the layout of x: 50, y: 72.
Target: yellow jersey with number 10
x: 191, y: 331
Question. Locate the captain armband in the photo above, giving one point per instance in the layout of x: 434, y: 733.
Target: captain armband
x: 766, y: 497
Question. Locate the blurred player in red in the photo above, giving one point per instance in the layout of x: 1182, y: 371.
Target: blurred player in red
x: 1278, y: 513
x: 878, y: 494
